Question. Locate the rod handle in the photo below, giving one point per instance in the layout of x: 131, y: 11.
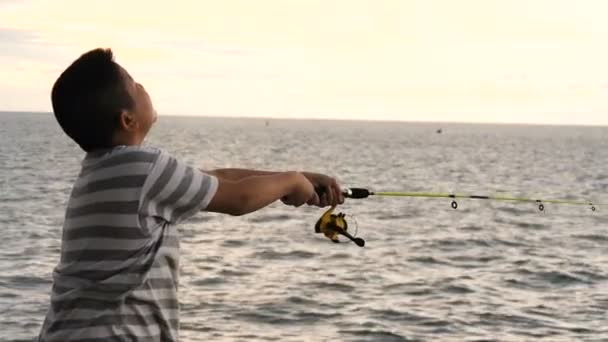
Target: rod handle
x: 357, y: 193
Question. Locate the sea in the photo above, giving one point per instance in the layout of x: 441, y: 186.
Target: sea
x: 486, y: 271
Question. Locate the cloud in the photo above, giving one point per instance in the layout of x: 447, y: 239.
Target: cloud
x: 29, y: 45
x: 12, y: 2
x: 16, y: 37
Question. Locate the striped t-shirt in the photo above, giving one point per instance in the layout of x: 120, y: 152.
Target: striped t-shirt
x: 117, y: 277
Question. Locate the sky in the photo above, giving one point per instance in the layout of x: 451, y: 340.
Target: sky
x: 505, y: 61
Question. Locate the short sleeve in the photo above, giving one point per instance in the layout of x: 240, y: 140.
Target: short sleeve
x: 175, y: 191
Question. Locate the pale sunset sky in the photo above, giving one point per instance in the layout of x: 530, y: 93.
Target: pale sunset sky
x: 522, y: 61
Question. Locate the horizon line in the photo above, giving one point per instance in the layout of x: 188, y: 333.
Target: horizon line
x: 343, y: 119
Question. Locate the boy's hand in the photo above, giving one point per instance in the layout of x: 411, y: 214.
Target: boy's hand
x: 302, y: 192
x: 329, y: 190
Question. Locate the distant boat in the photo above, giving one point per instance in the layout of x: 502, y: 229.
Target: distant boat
x: 439, y: 131
x: 267, y: 123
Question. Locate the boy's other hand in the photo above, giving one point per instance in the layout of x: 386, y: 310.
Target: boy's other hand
x: 302, y: 192
x: 329, y: 190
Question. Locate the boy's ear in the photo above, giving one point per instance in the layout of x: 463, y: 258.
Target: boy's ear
x: 127, y: 121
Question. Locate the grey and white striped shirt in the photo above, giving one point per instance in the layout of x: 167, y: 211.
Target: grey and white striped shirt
x: 117, y: 277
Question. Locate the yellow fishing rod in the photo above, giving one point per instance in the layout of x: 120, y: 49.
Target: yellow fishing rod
x: 332, y: 225
x: 364, y: 193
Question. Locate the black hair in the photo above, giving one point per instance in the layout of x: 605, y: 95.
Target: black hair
x: 89, y: 97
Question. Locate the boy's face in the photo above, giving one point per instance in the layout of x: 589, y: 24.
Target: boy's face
x: 143, y: 110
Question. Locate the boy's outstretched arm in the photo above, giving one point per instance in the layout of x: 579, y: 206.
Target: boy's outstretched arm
x: 331, y: 195
x: 255, y: 192
x: 236, y: 174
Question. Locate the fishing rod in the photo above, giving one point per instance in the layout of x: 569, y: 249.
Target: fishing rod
x: 365, y: 193
x: 332, y: 225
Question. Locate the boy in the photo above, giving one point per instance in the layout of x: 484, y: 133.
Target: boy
x: 117, y: 276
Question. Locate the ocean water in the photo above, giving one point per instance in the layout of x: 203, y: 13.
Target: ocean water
x: 488, y: 271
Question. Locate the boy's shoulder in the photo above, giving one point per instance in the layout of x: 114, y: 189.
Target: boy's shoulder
x: 136, y: 149
x: 144, y: 150
x: 123, y: 154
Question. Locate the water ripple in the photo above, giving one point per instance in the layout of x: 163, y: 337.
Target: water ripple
x: 289, y: 255
x: 375, y: 335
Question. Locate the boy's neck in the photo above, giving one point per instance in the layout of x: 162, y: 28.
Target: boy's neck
x: 126, y: 139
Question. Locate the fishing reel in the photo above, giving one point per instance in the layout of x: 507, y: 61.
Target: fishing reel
x: 331, y: 225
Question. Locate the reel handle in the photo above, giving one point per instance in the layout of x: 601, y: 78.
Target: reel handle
x: 358, y: 241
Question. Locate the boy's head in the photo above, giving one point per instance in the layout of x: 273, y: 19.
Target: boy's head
x: 99, y: 105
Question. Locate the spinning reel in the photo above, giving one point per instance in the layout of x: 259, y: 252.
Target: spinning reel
x: 332, y: 225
